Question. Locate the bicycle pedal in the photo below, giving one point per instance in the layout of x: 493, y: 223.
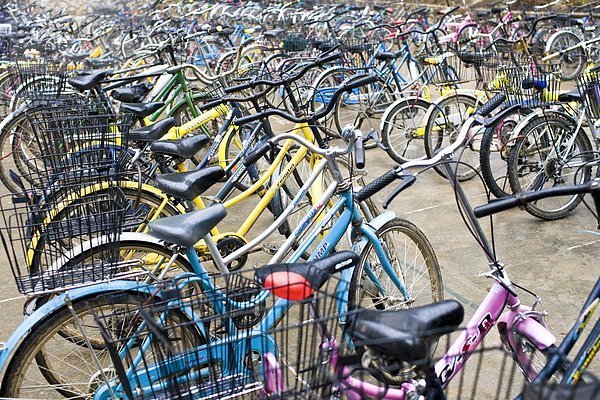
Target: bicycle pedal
x: 270, y: 248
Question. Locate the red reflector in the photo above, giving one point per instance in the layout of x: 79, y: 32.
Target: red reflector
x: 288, y: 285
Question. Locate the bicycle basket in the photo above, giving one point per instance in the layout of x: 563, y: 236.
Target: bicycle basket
x: 74, y: 144
x: 41, y: 80
x: 42, y: 235
x: 202, y: 347
x: 294, y: 42
x: 532, y: 85
x: 588, y: 85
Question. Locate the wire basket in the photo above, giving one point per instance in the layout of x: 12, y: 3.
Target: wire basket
x: 42, y: 235
x: 360, y: 45
x: 295, y: 43
x: 41, y: 80
x: 531, y: 85
x: 588, y: 85
x: 175, y: 340
x: 211, y: 92
x: 204, y: 348
x: 325, y: 44
x: 72, y: 145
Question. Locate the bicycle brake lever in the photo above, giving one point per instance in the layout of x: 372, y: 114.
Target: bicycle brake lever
x: 406, y: 182
x: 373, y: 134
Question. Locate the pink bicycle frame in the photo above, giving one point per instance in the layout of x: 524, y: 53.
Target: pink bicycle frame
x: 499, y: 307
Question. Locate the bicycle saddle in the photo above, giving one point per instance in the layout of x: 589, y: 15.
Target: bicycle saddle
x: 141, y: 109
x: 183, y: 148
x: 86, y: 82
x: 152, y: 132
x: 187, y: 229
x: 388, y: 55
x: 406, y: 335
x: 298, y: 281
x: 191, y: 184
x: 573, y: 95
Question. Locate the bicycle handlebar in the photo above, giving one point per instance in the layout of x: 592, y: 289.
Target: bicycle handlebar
x: 353, y: 83
x: 408, y: 179
x: 263, y: 82
x: 520, y: 199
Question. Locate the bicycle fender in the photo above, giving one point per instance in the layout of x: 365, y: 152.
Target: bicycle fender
x: 528, y: 326
x: 516, y: 133
x: 8, y: 348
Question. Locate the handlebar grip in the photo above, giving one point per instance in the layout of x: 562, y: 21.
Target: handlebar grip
x: 490, y: 105
x: 257, y: 153
x: 523, y: 198
x: 329, y: 58
x: 238, y: 88
x: 359, y: 152
x: 377, y: 185
x: 210, y: 105
x: 496, y: 206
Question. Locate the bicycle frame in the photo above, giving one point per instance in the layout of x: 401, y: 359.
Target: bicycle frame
x: 221, y: 348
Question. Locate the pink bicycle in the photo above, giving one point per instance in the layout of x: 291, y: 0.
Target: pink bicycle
x: 396, y: 346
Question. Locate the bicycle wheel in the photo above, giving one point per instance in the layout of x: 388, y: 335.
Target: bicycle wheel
x: 493, y: 156
x: 572, y: 62
x: 403, y: 131
x: 415, y: 265
x: 14, y: 137
x: 547, y: 155
x: 363, y: 107
x: 48, y: 365
x: 442, y: 128
x: 234, y: 143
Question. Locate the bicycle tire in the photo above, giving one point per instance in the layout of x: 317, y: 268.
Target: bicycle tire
x: 393, y: 132
x: 493, y: 155
x: 573, y: 62
x: 443, y: 118
x: 370, y: 103
x: 23, y: 364
x: 360, y: 293
x: 528, y: 146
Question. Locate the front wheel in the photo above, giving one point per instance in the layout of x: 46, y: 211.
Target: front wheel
x: 414, y: 264
x: 443, y: 127
x: 403, y: 130
x: 48, y: 365
x: 572, y: 62
x: 548, y: 155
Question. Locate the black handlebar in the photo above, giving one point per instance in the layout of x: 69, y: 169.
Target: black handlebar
x: 520, y: 199
x: 263, y: 82
x: 345, y: 87
x: 359, y: 152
